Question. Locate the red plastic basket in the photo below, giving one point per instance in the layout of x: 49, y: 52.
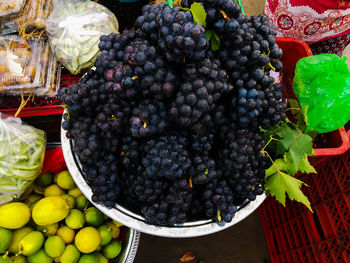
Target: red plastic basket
x: 293, y: 231
x: 39, y: 106
x: 334, y: 143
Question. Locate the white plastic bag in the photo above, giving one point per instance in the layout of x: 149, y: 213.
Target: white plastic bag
x: 74, y: 29
x: 21, y: 157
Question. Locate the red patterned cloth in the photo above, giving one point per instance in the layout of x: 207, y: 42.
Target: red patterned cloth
x: 334, y: 45
x: 309, y: 20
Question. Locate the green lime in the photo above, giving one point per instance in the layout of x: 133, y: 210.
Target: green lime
x: 101, y: 258
x: 66, y: 233
x: 19, y: 259
x: 70, y: 199
x: 75, y: 219
x: 81, y: 202
x: 105, y: 233
x: 5, y: 259
x: 87, y: 240
x: 88, y: 258
x: 93, y: 217
x: 49, y: 230
x: 65, y: 180
x: 53, y: 190
x: 30, y: 243
x: 33, y: 204
x: 18, y: 234
x: 54, y: 246
x: 112, y: 249
x: 70, y: 255
x: 6, y: 237
x: 75, y: 192
x: 40, y: 256
x: 45, y: 180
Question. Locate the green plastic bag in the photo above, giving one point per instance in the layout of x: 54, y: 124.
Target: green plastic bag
x: 322, y: 85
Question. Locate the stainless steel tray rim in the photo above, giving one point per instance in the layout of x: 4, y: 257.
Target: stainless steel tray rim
x: 137, y: 222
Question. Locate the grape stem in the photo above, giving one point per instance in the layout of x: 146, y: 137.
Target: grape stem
x: 225, y: 15
x: 218, y: 214
x: 190, y: 182
x: 268, y: 155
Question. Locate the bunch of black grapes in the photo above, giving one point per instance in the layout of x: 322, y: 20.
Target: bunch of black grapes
x: 168, y: 127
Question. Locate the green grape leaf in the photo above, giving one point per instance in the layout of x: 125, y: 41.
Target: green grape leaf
x: 305, y: 167
x: 198, y: 13
x: 281, y: 184
x: 294, y: 105
x: 209, y: 34
x: 213, y: 38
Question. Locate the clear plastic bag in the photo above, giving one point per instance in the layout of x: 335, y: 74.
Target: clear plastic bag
x: 74, y: 29
x: 21, y: 156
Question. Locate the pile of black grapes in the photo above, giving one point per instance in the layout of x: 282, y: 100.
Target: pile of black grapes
x: 169, y: 128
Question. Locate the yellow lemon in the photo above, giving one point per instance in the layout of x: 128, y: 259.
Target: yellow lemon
x: 87, y: 240
x: 65, y: 180
x: 50, y: 210
x: 18, y: 234
x: 53, y: 190
x: 14, y: 215
x: 67, y: 234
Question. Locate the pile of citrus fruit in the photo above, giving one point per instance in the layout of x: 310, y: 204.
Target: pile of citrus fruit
x: 54, y: 222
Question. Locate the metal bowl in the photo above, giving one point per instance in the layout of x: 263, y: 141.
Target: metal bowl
x: 129, y: 251
x: 137, y: 221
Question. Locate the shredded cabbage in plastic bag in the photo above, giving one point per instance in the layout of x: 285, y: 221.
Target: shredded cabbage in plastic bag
x: 74, y: 29
x: 21, y: 157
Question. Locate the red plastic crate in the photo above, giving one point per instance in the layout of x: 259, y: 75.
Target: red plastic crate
x: 321, y: 236
x: 39, y: 106
x: 293, y: 50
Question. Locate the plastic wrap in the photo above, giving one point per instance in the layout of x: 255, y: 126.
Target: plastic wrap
x: 19, y: 64
x: 21, y: 157
x: 74, y: 29
x: 322, y: 85
x: 42, y: 64
x: 33, y: 16
x: 10, y: 8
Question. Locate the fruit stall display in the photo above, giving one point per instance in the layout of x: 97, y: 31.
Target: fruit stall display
x: 188, y: 115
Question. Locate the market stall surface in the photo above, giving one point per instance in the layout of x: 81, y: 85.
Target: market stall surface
x: 241, y: 243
